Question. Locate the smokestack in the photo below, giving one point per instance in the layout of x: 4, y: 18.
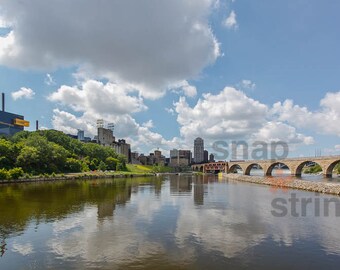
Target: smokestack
x: 3, y: 102
x: 37, y: 125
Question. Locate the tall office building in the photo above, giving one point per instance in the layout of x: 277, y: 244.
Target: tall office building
x: 206, y: 156
x: 199, y: 150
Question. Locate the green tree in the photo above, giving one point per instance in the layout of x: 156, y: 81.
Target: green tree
x: 94, y: 164
x: 120, y: 167
x: 7, y: 157
x: 111, y: 163
x: 28, y: 159
x: 73, y: 165
x: 4, y: 174
x: 122, y: 161
x: 102, y: 166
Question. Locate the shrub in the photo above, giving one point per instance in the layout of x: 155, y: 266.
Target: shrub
x: 120, y: 167
x: 15, y: 173
x: 4, y: 174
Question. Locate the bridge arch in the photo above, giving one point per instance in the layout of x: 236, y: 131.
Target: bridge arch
x: 298, y: 171
x: 234, y: 168
x: 330, y: 168
x: 269, y: 171
x: 250, y: 167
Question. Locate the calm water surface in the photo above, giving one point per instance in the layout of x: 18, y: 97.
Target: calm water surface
x: 177, y: 222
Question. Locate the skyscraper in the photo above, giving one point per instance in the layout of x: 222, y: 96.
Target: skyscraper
x: 199, y: 150
x: 206, y: 156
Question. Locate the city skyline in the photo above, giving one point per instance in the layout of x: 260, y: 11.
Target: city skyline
x: 242, y: 79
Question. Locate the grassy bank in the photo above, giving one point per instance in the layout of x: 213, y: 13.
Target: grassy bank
x: 132, y: 171
x: 133, y: 168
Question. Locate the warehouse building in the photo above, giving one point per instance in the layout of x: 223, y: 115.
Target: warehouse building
x: 11, y: 123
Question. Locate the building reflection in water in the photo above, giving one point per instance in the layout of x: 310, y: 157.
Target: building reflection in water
x: 180, y: 186
x: 191, y: 186
x: 106, y: 208
x: 199, y: 191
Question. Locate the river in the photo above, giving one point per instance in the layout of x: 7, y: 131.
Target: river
x: 166, y: 222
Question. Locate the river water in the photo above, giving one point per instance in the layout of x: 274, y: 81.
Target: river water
x: 167, y: 222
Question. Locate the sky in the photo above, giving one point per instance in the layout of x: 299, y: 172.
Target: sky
x: 165, y: 72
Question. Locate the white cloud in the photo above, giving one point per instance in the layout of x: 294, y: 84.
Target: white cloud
x: 231, y: 115
x: 185, y: 88
x: 69, y: 123
x: 189, y: 90
x: 170, y: 110
x: 148, y: 124
x: 49, y: 80
x: 149, y: 46
x: 94, y: 100
x: 277, y: 131
x: 230, y: 22
x: 247, y: 84
x: 228, y: 114
x: 324, y: 121
x: 98, y: 98
x: 24, y: 92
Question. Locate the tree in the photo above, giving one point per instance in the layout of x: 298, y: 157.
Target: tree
x: 73, y: 165
x: 4, y: 174
x: 102, y: 166
x: 28, y: 159
x: 6, y: 154
x: 111, y: 163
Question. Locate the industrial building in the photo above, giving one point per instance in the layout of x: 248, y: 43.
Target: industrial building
x: 105, y: 137
x: 11, y: 123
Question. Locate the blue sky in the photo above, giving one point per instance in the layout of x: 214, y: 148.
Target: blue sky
x: 165, y: 70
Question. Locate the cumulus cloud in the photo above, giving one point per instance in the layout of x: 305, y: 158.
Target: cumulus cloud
x: 115, y: 104
x: 150, y: 45
x: 232, y: 115
x: 23, y: 92
x: 228, y: 114
x: 230, y: 22
x: 148, y: 124
x: 185, y: 88
x: 99, y: 98
x: 324, y: 121
x: 277, y: 131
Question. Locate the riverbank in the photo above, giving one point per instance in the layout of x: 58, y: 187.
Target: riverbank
x: 320, y: 187
x: 78, y: 176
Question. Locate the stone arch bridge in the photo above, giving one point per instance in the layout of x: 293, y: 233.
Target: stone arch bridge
x: 295, y: 165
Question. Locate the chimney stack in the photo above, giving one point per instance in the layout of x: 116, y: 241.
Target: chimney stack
x: 3, y: 102
x: 37, y: 125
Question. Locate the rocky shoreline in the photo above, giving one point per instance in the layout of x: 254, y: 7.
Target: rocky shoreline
x: 288, y: 182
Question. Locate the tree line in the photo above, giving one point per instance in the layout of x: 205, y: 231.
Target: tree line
x: 53, y: 152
